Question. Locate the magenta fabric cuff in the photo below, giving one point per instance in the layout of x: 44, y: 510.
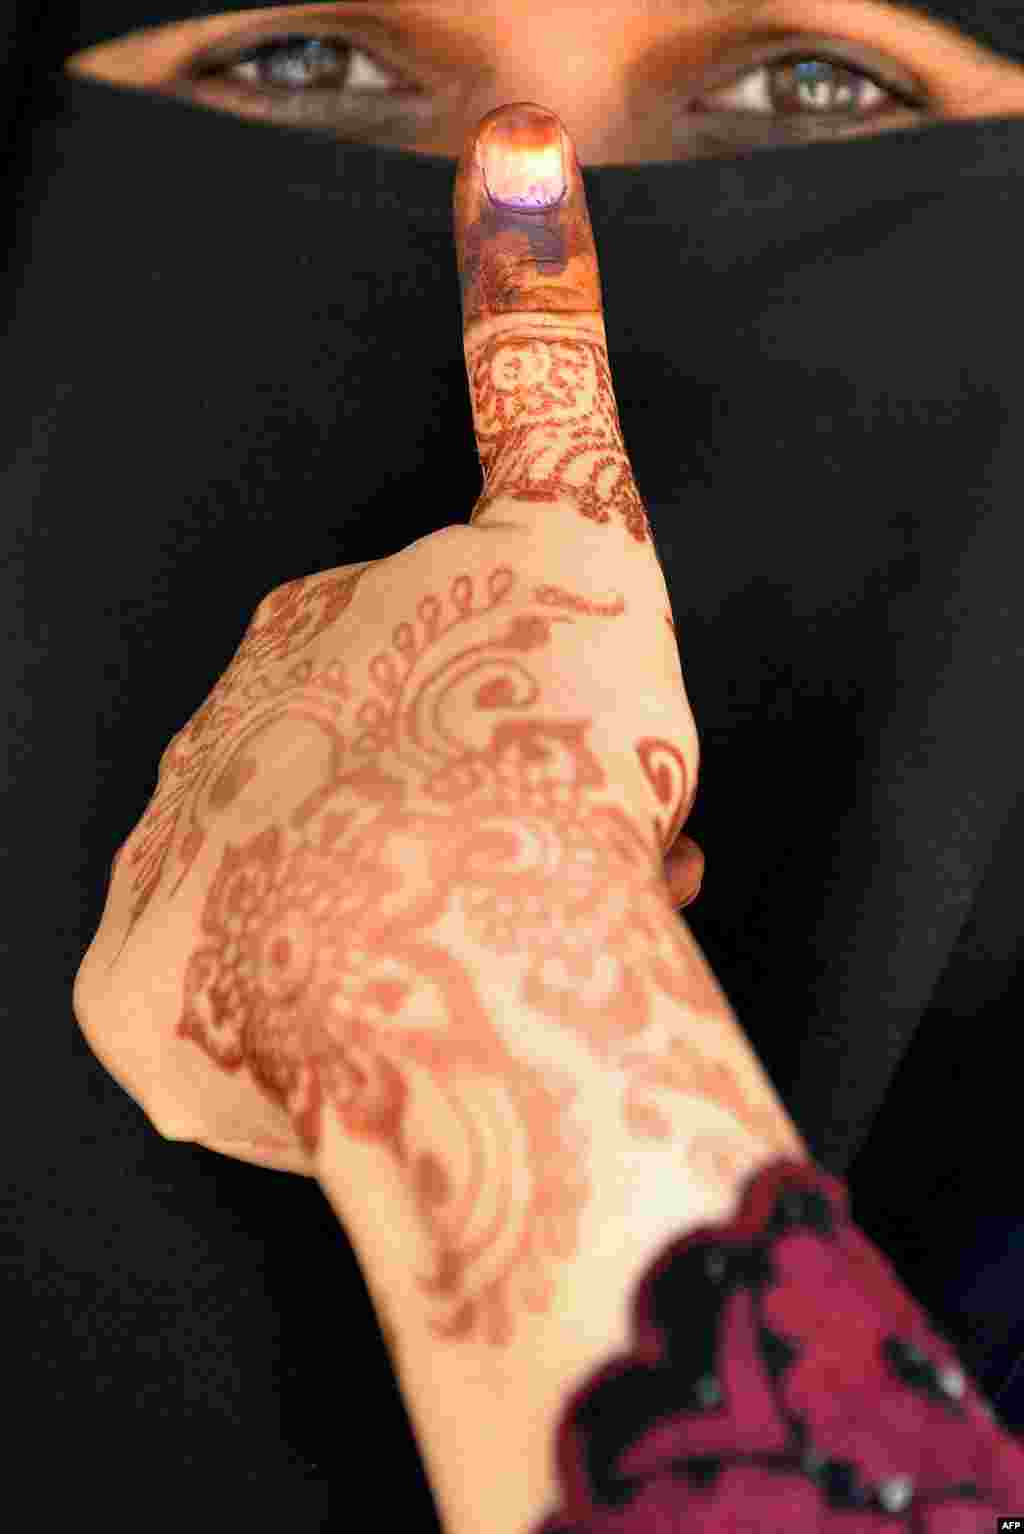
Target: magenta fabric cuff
x: 782, y: 1378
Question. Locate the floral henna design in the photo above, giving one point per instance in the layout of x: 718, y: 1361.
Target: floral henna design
x: 335, y: 954
x: 315, y: 973
x: 547, y: 426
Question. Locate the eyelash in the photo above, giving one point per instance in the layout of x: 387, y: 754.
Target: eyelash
x: 262, y: 50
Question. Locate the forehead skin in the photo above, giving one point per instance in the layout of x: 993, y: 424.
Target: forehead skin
x: 613, y: 70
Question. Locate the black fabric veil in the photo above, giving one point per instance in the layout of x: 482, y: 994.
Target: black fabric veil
x: 233, y: 356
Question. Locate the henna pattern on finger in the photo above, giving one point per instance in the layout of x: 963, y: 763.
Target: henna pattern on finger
x: 547, y: 426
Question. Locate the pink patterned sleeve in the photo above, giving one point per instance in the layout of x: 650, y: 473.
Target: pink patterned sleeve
x: 782, y: 1379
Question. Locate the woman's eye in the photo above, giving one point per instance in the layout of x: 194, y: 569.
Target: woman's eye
x: 299, y: 64
x: 808, y: 85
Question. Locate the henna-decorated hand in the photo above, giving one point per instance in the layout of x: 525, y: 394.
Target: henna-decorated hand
x: 523, y: 663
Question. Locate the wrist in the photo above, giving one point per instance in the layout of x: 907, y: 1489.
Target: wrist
x: 517, y: 1140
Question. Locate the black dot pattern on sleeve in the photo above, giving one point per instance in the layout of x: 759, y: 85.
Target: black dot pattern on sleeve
x: 782, y: 1378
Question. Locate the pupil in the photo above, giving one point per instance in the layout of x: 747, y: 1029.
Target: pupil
x: 288, y: 60
x: 815, y: 82
x: 808, y: 72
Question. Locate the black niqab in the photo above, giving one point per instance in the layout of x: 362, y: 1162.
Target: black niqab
x: 233, y: 356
